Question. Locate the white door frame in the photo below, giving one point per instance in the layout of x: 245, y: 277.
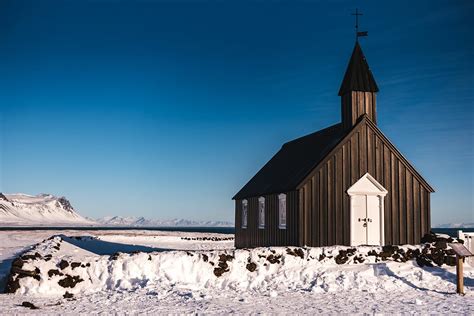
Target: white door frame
x: 361, y: 188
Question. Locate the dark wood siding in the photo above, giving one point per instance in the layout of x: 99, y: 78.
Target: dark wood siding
x: 271, y: 235
x: 326, y: 205
x: 355, y: 104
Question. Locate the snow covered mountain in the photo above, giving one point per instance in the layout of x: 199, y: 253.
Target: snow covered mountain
x: 144, y: 222
x: 40, y: 210
x: 456, y: 225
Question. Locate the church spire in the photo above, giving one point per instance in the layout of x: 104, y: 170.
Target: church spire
x: 358, y: 76
x: 358, y: 90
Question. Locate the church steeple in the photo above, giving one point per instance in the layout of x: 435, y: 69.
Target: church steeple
x: 358, y: 90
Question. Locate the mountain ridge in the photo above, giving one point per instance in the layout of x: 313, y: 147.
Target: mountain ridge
x: 21, y: 209
x: 140, y: 221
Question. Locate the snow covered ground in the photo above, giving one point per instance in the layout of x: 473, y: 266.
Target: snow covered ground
x: 171, y: 272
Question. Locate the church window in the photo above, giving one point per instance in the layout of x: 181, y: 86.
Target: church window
x: 261, y: 212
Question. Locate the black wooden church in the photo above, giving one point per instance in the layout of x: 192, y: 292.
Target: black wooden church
x: 344, y: 185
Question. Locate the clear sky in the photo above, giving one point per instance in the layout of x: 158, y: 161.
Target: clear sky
x: 165, y: 109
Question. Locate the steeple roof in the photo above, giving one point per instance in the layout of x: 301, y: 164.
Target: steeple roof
x: 358, y: 76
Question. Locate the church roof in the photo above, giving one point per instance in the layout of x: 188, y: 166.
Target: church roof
x: 358, y: 76
x: 292, y: 163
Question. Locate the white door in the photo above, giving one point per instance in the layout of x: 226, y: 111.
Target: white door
x: 358, y: 219
x: 373, y: 220
x: 367, y: 218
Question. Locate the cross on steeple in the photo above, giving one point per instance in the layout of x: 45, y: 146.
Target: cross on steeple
x: 357, y: 33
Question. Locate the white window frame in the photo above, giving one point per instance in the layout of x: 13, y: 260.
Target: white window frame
x: 245, y: 210
x: 261, y: 212
x: 282, y: 214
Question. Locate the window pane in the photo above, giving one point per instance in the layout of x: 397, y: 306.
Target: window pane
x: 282, y: 211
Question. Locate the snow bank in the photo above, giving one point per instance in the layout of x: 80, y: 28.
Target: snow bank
x: 268, y: 271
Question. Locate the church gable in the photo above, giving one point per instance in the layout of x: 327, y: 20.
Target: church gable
x: 325, y: 203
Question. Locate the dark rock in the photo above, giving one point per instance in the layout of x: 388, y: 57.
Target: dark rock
x: 63, y: 264
x: 297, y: 252
x: 437, y: 256
x: 54, y: 272
x: 422, y: 261
x: 149, y: 259
x: 205, y: 257
x: 65, y: 204
x: 29, y: 305
x: 114, y: 256
x: 18, y: 263
x: 389, y: 249
x: 372, y: 253
x: 31, y: 257
x: 75, y: 265
x: 88, y: 264
x: 441, y: 244
x: 68, y: 295
x: 251, y: 266
x: 223, y: 265
x: 359, y: 259
x: 225, y: 257
x: 219, y: 271
x: 274, y: 258
x: 3, y: 197
x: 342, y: 257
x: 13, y: 284
x: 70, y: 281
x: 428, y: 238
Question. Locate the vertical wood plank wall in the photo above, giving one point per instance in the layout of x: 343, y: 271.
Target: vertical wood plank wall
x: 325, y: 209
x: 271, y: 235
x: 354, y: 104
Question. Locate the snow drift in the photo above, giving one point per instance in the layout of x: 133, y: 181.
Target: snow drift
x: 47, y: 270
x: 40, y: 210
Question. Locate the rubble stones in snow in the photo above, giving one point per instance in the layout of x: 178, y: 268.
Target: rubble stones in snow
x: 75, y: 265
x: 54, y: 272
x: 70, y: 281
x: 63, y: 264
x: 297, y: 252
x: 29, y: 305
x: 274, y: 259
x: 31, y: 257
x: 114, y: 256
x: 343, y: 255
x: 222, y: 266
x: 423, y: 261
x: 68, y: 295
x: 251, y: 266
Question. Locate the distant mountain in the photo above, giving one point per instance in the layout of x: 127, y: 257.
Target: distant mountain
x: 456, y: 225
x: 40, y: 210
x: 144, y: 222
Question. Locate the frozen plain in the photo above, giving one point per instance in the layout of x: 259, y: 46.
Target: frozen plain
x: 179, y: 278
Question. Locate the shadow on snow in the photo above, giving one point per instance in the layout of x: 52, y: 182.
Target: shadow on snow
x: 101, y: 247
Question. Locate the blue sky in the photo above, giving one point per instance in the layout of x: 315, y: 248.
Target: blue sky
x: 166, y: 108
